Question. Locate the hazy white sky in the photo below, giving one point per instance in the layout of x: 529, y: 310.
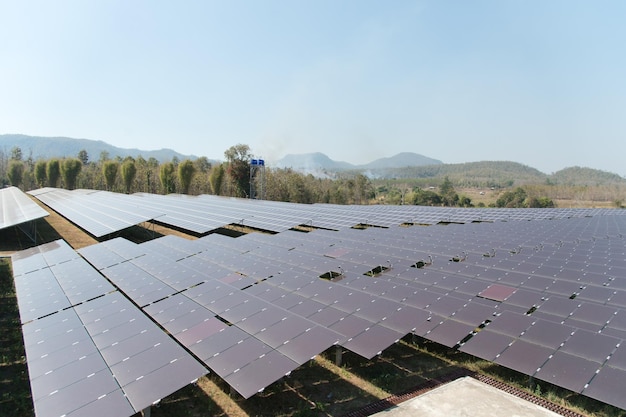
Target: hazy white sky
x: 537, y: 82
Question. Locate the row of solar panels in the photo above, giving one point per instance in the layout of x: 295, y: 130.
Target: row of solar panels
x: 16, y: 208
x: 102, y: 213
x: 89, y: 350
x: 534, y: 296
x: 544, y: 298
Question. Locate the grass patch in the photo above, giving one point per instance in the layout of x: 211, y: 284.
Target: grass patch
x: 15, y: 399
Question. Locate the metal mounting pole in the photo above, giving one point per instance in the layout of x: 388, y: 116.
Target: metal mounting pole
x: 338, y: 355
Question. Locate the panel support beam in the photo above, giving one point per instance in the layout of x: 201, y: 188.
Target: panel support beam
x: 338, y: 355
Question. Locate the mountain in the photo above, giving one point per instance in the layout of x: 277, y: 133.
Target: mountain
x: 498, y: 174
x: 404, y: 159
x: 585, y: 176
x: 59, y: 147
x: 475, y: 174
x: 406, y: 166
x: 311, y: 162
x: 402, y: 166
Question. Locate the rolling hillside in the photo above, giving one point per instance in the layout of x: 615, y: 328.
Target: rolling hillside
x: 406, y: 165
x: 60, y: 147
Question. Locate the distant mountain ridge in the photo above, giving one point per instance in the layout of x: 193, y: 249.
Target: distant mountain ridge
x: 61, y: 147
x: 319, y: 161
x: 311, y: 162
x: 401, y: 166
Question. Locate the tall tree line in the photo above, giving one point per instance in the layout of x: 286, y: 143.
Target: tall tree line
x: 229, y: 178
x: 233, y: 178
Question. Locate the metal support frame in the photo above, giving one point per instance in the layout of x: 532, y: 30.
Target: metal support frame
x: 29, y: 229
x: 338, y: 355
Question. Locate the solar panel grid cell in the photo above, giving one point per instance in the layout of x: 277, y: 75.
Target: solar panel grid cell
x: 372, y: 341
x: 487, y: 344
x: 568, y: 371
x: 524, y: 357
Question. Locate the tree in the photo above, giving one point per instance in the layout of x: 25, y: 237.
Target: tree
x: 16, y: 153
x: 40, y: 173
x: 539, y: 202
x: 202, y: 164
x: 186, y: 171
x: 16, y: 172
x: 449, y: 197
x: 238, y: 169
x: 83, y: 156
x: 129, y: 171
x: 104, y: 156
x: 216, y: 178
x: 53, y: 172
x: 70, y: 170
x: 363, y: 190
x: 109, y: 170
x: 166, y: 176
x: 426, y: 198
x: 512, y: 199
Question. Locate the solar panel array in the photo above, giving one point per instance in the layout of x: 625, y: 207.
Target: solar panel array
x: 100, y: 213
x: 16, y: 208
x: 545, y: 298
x: 89, y: 350
x: 205, y: 213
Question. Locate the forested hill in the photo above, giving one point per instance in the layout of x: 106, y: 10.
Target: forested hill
x: 402, y: 166
x: 499, y: 174
x: 485, y: 173
x: 59, y: 147
x: 585, y: 176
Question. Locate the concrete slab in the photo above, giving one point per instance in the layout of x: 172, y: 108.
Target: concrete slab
x: 466, y: 397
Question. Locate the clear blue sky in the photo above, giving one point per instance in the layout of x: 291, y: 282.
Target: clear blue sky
x: 537, y: 82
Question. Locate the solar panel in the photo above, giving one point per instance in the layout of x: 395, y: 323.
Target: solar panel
x: 487, y: 344
x: 606, y: 386
x: 97, y: 351
x: 215, y: 343
x: 590, y: 345
x: 547, y: 333
x: 372, y: 341
x: 65, y: 369
x: 100, y: 213
x: 258, y: 374
x: 568, y: 371
x: 524, y: 357
x: 502, y: 291
x: 17, y: 209
x: 450, y: 332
